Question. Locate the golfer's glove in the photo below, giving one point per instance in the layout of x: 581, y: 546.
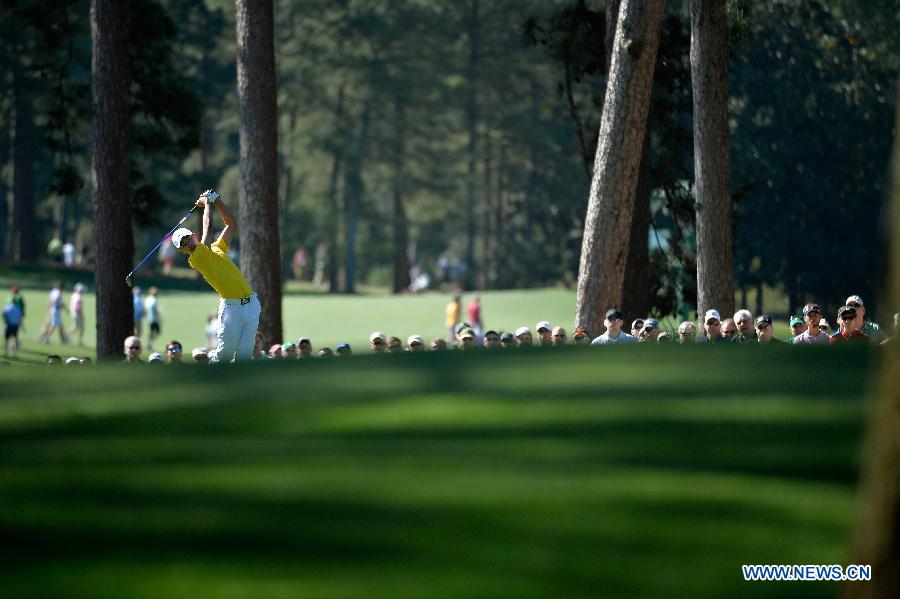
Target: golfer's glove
x: 210, y: 195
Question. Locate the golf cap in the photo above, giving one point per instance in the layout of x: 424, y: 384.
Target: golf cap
x: 613, y: 315
x: 764, y: 319
x: 854, y: 299
x: 795, y: 320
x: 180, y: 234
x: 523, y: 331
x: 712, y: 314
x: 507, y: 337
x: 73, y: 360
x: 275, y: 349
x: 302, y: 339
x: 491, y: 332
x: 154, y: 357
x: 846, y: 310
x: 289, y: 346
x: 580, y: 332
x: 651, y: 323
x: 811, y: 308
x: 635, y: 325
x: 543, y: 325
x: 414, y: 340
x: 467, y: 334
x: 377, y: 335
x: 80, y: 287
x: 202, y: 351
x: 342, y: 346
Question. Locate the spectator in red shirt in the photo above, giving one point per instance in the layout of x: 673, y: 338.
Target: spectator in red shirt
x: 848, y: 333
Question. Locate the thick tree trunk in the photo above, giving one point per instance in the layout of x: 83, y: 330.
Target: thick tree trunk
x: 5, y: 152
x: 353, y: 187
x: 24, y: 233
x: 258, y: 226
x: 473, y: 25
x: 110, y: 73
x: 709, y: 62
x: 877, y: 536
x: 607, y: 226
x: 400, y: 222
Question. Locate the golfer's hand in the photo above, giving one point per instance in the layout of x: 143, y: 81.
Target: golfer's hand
x: 201, y: 202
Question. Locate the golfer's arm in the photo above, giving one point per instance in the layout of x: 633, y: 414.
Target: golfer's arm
x: 207, y: 225
x: 230, y: 224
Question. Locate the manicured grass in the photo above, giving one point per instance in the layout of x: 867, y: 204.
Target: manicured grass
x: 636, y: 471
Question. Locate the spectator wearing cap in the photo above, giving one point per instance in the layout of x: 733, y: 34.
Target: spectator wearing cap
x: 507, y: 340
x: 200, y: 355
x: 466, y: 339
x: 729, y: 329
x: 636, y: 325
x: 304, y: 346
x: 544, y: 332
x: 867, y: 327
x: 813, y: 335
x: 56, y: 360
x: 825, y: 327
x: 664, y: 337
x: 848, y: 332
x: 394, y: 345
x: 274, y: 351
x: 290, y: 351
x: 491, y: 339
x: 377, y: 342
x: 764, y: 329
x: 712, y: 326
x: 326, y: 352
x: 85, y: 360
x: 343, y: 350
x: 75, y: 361
x: 743, y: 321
x: 155, y: 358
x: 581, y: 336
x: 798, y: 326
x: 687, y: 333
x: 132, y: 350
x: 437, y: 344
x: 174, y: 352
x: 523, y: 337
x: 559, y: 336
x: 415, y: 344
x: 649, y: 332
x: 614, y: 334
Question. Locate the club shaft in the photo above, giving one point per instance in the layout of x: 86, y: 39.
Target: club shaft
x: 147, y: 257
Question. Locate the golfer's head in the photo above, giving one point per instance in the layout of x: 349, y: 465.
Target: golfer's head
x: 184, y: 240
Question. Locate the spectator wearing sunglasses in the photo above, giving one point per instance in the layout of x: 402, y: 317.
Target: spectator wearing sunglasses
x: 174, y: 352
x: 614, y: 334
x: 764, y: 329
x: 730, y: 330
x: 636, y: 325
x: 813, y: 335
x: 377, y: 342
x: 867, y: 327
x: 712, y: 326
x: 650, y: 331
x: 492, y: 340
x: 132, y: 350
x: 848, y: 332
x: 687, y: 333
x: 559, y: 336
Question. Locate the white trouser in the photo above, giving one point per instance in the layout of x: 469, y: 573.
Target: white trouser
x: 236, y: 330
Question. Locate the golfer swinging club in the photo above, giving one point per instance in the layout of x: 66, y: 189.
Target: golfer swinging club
x: 239, y: 307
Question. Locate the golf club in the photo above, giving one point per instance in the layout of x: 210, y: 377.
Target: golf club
x: 209, y: 193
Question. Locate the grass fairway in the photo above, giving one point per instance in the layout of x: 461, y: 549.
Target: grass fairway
x: 637, y: 471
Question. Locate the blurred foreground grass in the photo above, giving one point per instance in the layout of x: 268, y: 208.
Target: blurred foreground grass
x: 638, y: 471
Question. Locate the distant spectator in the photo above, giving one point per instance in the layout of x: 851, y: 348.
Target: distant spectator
x: 138, y: 310
x: 304, y: 345
x: 848, y: 332
x: 132, y: 350
x: 299, y: 262
x: 798, y: 326
x: 664, y: 337
x: 212, y: 324
x: 544, y: 332
x: 343, y: 350
x: 523, y: 337
x: 68, y: 253
x: 394, y: 345
x: 17, y: 298
x: 729, y: 329
x: 200, y: 355
x: 54, y: 315
x: 290, y: 351
x: 167, y: 255
x: 764, y: 329
x: 614, y: 333
x: 466, y: 339
x: 174, y: 351
x: 377, y: 342
x: 414, y: 343
x: 491, y: 340
x: 743, y: 321
x: 152, y: 310
x: 474, y: 311
x: 451, y: 314
x: 12, y: 318
x: 813, y: 335
x: 274, y: 352
x: 687, y: 333
x: 258, y: 352
x: 867, y: 327
x: 650, y: 331
x: 559, y: 336
x: 438, y: 344
x: 73, y: 361
x: 76, y: 311
x: 712, y: 326
x: 508, y: 340
x: 636, y: 325
x: 581, y: 336
x: 155, y: 358
x: 86, y: 361
x: 326, y: 352
x: 825, y: 327
x: 54, y: 360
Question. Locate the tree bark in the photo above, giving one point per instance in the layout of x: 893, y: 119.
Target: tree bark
x: 709, y: 62
x: 877, y: 535
x: 353, y: 187
x: 607, y: 226
x: 110, y: 139
x: 259, y: 232
x: 400, y: 222
x: 24, y: 233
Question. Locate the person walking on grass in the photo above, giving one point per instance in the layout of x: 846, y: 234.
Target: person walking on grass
x: 76, y: 311
x: 54, y: 315
x: 239, y: 307
x: 151, y: 309
x: 12, y: 318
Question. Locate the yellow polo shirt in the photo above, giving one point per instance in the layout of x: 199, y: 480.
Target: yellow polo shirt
x: 219, y: 271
